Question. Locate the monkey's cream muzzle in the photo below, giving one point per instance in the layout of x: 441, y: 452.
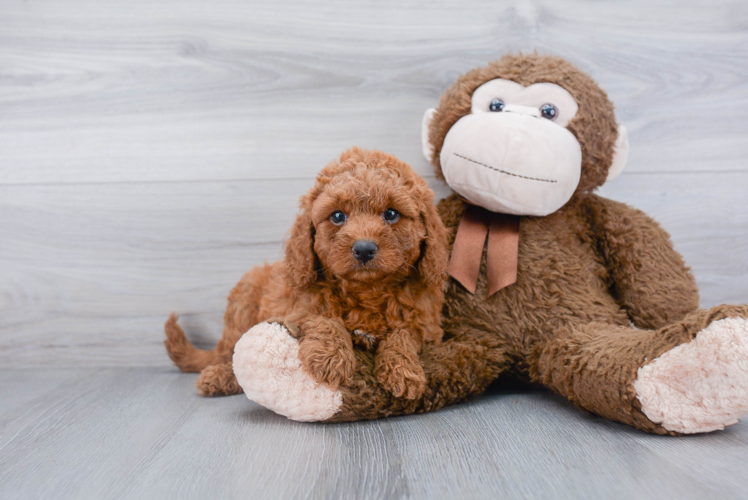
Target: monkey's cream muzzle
x: 512, y: 162
x: 510, y: 156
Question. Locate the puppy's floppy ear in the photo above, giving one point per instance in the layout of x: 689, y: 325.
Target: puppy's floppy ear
x: 434, y: 248
x: 301, y: 261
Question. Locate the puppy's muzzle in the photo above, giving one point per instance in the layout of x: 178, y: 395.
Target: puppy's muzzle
x: 364, y: 250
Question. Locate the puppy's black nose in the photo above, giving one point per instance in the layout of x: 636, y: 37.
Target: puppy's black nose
x: 364, y: 250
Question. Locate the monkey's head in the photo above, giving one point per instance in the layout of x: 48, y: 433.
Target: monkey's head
x: 524, y: 134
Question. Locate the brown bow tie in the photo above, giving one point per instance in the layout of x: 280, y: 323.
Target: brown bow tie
x: 503, y: 243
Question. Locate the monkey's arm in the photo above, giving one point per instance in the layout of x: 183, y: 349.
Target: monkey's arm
x: 649, y: 278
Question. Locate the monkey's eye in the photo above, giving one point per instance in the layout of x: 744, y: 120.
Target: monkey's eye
x: 391, y: 215
x: 338, y: 218
x: 549, y: 111
x: 496, y: 105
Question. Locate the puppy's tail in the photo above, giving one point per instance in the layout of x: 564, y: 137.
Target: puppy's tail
x: 181, y: 351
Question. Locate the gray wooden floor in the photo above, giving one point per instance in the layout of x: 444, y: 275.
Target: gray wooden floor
x: 152, y: 151
x: 144, y: 433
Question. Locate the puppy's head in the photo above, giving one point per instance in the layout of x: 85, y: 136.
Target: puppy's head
x: 369, y: 217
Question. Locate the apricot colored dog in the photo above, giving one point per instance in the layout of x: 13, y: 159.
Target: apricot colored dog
x: 365, y: 264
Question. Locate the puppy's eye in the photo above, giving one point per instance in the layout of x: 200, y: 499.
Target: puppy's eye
x: 391, y: 215
x: 549, y: 111
x: 338, y: 218
x: 496, y: 105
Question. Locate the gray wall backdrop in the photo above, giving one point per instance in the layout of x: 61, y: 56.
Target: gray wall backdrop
x: 151, y: 152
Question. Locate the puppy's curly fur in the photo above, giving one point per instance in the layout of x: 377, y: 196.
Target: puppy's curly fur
x: 390, y: 304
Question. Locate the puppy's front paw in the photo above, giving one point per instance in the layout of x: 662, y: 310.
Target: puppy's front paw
x: 327, y: 359
x: 402, y: 380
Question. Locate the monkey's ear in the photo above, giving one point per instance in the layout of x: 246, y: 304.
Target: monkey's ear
x: 620, y: 153
x: 428, y: 148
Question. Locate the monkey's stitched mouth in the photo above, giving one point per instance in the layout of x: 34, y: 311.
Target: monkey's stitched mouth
x: 504, y: 171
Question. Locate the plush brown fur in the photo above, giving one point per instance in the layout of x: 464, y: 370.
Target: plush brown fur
x: 392, y: 302
x: 585, y: 274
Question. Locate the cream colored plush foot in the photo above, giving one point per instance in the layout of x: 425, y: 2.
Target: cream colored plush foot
x: 702, y: 385
x: 267, y: 366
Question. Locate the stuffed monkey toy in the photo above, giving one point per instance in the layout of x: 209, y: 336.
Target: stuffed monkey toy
x: 549, y: 282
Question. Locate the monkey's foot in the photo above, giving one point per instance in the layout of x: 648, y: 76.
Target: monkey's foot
x: 702, y: 385
x: 267, y: 366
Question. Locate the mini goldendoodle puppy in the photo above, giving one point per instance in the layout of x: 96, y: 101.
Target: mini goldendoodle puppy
x: 365, y: 263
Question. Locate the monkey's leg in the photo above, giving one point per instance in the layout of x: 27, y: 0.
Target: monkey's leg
x: 218, y: 380
x: 689, y: 377
x: 267, y: 365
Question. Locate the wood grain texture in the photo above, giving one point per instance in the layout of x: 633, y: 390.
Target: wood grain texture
x: 100, y: 91
x: 92, y: 270
x: 144, y: 433
x: 151, y: 152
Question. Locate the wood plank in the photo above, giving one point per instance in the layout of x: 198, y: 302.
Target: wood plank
x: 134, y: 433
x: 88, y: 273
x: 152, y: 151
x: 102, y: 92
